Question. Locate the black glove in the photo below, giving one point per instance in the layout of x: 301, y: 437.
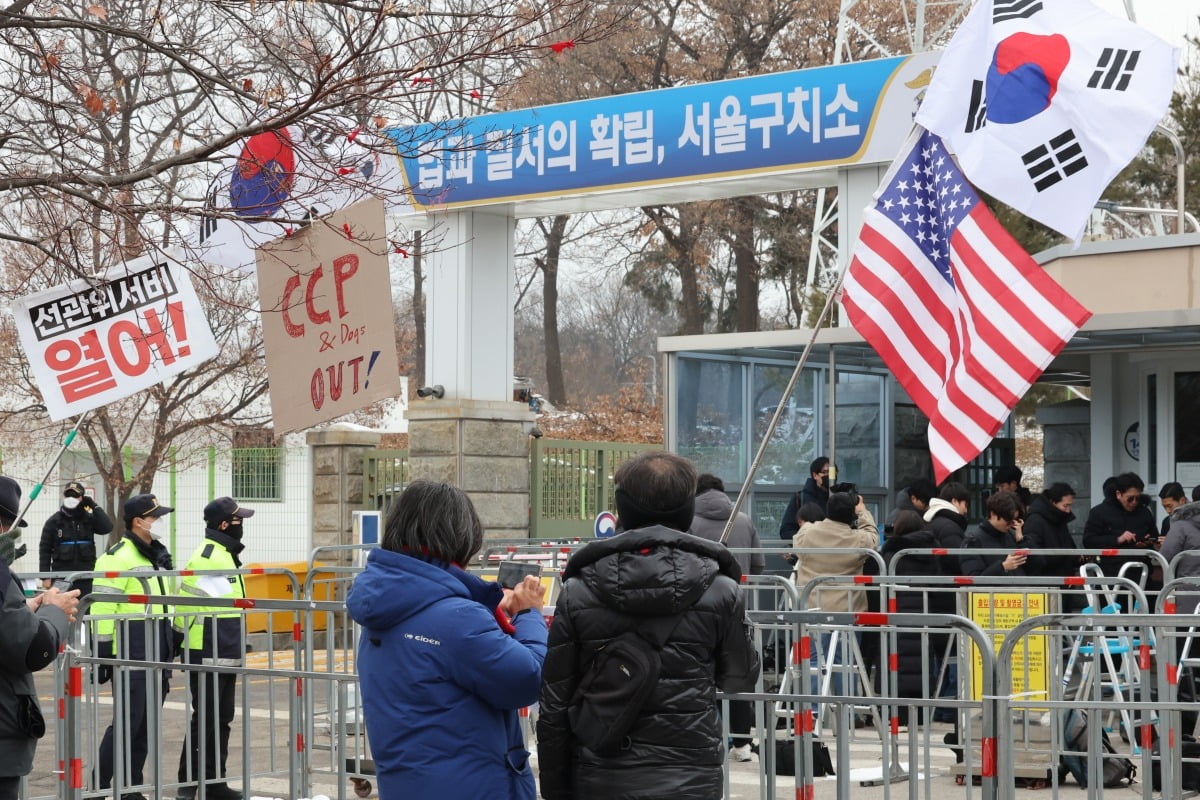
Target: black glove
x: 177, y: 638
x: 103, y: 673
x: 86, y: 503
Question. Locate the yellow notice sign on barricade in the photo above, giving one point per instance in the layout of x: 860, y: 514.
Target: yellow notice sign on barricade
x: 998, y: 613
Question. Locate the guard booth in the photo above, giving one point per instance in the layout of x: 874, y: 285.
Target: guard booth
x: 1136, y: 364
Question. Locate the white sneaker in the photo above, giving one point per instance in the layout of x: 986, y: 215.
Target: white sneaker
x: 741, y: 753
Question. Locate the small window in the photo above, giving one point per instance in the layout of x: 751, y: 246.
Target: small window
x: 257, y: 473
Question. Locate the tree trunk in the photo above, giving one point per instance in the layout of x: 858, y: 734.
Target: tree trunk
x: 689, y: 254
x: 556, y: 389
x: 746, y: 263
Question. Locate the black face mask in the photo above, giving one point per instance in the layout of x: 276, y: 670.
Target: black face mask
x: 235, y: 529
x: 823, y: 481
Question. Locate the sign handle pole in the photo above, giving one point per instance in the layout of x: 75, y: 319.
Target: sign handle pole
x: 37, y: 488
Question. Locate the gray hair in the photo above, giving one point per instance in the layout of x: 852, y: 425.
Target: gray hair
x: 434, y: 520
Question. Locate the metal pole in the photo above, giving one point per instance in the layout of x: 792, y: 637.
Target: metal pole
x: 37, y: 488
x: 783, y: 398
x: 1180, y: 177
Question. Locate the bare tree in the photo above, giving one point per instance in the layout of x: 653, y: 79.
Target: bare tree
x: 112, y: 111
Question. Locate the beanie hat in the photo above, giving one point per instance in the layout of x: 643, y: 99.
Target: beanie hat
x: 631, y: 515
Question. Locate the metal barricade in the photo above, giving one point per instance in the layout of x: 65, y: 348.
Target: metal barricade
x: 1136, y: 718
x: 273, y: 749
x: 798, y: 707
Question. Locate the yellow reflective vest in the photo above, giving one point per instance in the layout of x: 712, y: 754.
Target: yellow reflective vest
x: 124, y: 627
x: 213, y: 634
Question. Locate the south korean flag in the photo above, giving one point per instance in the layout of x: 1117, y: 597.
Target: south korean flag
x: 1045, y: 101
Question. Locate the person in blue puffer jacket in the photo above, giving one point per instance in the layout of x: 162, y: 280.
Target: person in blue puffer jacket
x: 445, y: 659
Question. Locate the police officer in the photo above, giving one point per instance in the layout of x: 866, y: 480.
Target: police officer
x: 142, y: 637
x: 31, y: 632
x: 213, y: 635
x: 69, y: 537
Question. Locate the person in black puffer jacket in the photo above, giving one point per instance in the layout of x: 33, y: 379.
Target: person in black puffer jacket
x: 612, y: 585
x: 946, y: 517
x: 1123, y: 520
x: 1046, y: 528
x: 908, y: 532
x: 1002, y: 530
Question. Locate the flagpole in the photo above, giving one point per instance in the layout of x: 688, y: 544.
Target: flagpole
x: 779, y: 407
x: 37, y: 488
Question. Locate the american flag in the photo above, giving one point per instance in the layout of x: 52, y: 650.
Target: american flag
x: 959, y: 313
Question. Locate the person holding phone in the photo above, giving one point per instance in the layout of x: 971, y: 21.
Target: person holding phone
x: 1001, y: 531
x: 68, y: 542
x: 445, y: 659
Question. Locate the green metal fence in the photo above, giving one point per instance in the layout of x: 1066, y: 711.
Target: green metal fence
x: 385, y: 474
x: 571, y: 482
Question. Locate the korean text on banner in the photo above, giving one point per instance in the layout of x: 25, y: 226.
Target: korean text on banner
x: 326, y: 302
x: 92, y: 342
x: 959, y: 313
x: 1044, y: 103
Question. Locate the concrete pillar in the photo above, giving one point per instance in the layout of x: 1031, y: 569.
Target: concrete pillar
x: 472, y: 287
x: 1067, y: 452
x: 337, y: 481
x: 482, y: 447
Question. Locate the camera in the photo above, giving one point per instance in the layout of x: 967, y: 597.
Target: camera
x: 848, y: 488
x: 437, y: 390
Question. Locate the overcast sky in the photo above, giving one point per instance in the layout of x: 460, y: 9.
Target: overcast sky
x: 1170, y: 19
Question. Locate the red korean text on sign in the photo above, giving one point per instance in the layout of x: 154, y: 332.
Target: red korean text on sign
x: 85, y: 365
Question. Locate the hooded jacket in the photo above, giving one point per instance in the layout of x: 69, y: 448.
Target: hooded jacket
x: 949, y: 528
x: 1046, y: 529
x: 441, y: 682
x: 1184, y: 535
x: 712, y: 511
x: 675, y: 748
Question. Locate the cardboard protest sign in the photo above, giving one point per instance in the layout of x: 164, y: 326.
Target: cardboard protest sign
x: 94, y: 341
x: 326, y: 302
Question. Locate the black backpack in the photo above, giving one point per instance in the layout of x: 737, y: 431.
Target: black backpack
x: 617, y: 684
x: 1116, y: 768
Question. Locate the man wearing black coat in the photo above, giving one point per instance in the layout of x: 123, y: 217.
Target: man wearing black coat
x: 1001, y: 530
x: 816, y: 490
x: 649, y: 570
x: 1121, y: 521
x: 69, y: 537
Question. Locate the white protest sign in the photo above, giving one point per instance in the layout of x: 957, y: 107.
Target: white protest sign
x: 91, y: 342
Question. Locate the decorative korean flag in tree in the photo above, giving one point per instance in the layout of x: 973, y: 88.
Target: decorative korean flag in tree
x: 1045, y: 101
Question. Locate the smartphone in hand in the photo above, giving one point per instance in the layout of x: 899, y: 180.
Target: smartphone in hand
x: 513, y: 572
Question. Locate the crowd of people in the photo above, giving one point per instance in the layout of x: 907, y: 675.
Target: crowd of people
x: 1022, y: 534
x: 649, y: 625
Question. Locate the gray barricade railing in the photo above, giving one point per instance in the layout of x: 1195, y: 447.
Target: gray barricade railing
x: 276, y: 631
x: 1089, y: 554
x: 81, y: 721
x: 800, y: 699
x: 1143, y: 670
x: 890, y: 587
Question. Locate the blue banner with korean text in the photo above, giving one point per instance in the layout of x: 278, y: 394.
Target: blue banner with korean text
x: 762, y: 124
